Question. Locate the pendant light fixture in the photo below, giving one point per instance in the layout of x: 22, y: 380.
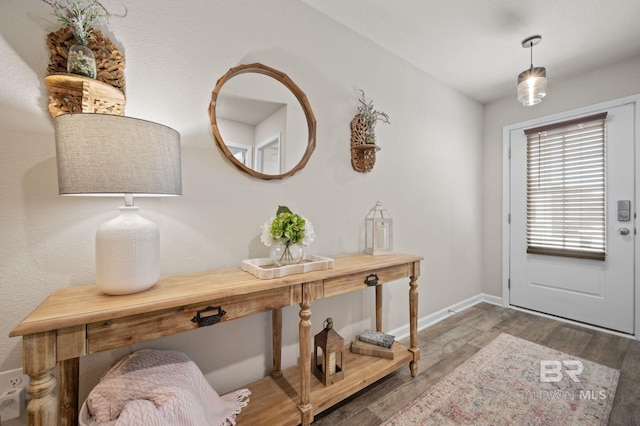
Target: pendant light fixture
x: 532, y: 82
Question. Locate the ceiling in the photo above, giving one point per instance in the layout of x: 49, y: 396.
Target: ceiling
x: 475, y: 46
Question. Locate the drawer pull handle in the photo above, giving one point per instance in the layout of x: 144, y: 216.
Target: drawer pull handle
x: 204, y: 321
x: 371, y: 280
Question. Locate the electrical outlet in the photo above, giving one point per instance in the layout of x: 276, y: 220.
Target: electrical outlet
x: 12, y: 379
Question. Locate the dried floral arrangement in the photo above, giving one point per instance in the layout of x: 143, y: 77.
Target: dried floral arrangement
x: 80, y: 16
x: 77, y: 18
x: 371, y: 117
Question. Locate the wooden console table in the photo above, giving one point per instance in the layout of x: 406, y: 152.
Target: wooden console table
x: 78, y: 321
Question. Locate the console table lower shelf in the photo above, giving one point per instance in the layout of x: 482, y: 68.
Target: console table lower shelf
x: 274, y: 401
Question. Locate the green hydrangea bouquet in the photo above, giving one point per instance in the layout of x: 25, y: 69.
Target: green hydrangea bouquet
x: 282, y: 232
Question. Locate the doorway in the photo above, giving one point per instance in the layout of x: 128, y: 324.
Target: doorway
x: 594, y: 289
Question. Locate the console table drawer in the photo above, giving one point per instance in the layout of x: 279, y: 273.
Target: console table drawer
x: 347, y: 283
x: 115, y: 333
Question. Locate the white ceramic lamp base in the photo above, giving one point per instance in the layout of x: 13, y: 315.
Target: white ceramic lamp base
x: 127, y: 253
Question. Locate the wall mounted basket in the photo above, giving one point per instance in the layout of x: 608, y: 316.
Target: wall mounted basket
x: 363, y: 155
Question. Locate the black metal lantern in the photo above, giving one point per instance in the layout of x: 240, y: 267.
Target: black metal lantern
x: 328, y: 355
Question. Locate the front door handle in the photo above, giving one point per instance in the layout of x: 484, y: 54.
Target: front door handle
x: 624, y: 231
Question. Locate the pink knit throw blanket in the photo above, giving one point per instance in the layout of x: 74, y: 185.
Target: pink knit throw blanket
x: 161, y: 388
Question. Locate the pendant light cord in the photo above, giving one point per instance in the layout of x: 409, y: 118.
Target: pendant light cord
x: 531, y: 50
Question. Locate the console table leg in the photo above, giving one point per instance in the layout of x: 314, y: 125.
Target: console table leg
x: 68, y: 378
x: 39, y: 359
x: 276, y: 334
x: 413, y: 321
x: 305, y: 407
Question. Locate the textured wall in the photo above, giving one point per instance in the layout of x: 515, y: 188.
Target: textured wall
x: 175, y: 52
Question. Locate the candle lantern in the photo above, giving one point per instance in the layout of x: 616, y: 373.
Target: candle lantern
x: 328, y: 361
x: 378, y: 235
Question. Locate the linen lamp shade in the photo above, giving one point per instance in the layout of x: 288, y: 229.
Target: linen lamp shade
x: 100, y: 154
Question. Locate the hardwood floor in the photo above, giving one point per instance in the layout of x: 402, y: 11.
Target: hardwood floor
x: 450, y: 342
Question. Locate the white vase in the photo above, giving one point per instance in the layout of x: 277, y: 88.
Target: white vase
x: 127, y: 253
x: 286, y: 254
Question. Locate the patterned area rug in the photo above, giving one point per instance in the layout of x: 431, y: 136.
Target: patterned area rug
x: 515, y: 382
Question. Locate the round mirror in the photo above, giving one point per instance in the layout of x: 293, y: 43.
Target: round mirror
x: 262, y: 121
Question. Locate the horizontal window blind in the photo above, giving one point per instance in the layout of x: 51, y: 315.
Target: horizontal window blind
x: 566, y: 188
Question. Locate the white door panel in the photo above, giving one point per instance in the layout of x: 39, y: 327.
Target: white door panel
x: 591, y: 291
x: 586, y: 279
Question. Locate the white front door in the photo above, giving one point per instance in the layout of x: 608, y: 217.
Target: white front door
x: 597, y: 292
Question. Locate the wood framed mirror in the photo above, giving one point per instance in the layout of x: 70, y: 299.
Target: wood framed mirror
x: 262, y: 121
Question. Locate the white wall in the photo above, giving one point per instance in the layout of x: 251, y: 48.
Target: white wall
x: 175, y: 52
x: 274, y: 160
x: 604, y: 84
x: 236, y: 132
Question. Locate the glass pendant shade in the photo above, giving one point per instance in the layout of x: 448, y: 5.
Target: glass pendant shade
x: 532, y: 86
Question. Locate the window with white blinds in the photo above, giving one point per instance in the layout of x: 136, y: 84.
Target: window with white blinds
x: 566, y: 188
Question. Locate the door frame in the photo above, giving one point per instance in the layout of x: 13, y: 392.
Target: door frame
x: 506, y: 194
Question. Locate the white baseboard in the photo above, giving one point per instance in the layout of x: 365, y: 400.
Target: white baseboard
x: 436, y: 317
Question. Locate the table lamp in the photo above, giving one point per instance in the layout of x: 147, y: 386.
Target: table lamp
x: 113, y: 155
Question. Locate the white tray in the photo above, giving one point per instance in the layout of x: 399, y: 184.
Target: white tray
x: 264, y: 268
